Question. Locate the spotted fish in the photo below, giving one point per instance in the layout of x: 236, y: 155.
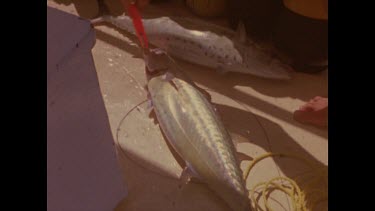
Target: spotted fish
x: 207, y: 48
x: 196, y: 132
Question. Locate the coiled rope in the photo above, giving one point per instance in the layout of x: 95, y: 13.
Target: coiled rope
x: 302, y: 199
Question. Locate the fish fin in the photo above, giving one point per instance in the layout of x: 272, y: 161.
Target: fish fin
x: 168, y: 76
x: 149, y: 104
x: 205, y: 93
x: 150, y: 110
x: 188, y: 174
x: 98, y: 20
x: 241, y: 33
x: 152, y: 116
x: 149, y: 99
x: 193, y: 173
x: 242, y: 156
x: 185, y: 177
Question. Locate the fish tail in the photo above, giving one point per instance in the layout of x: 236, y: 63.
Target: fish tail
x: 97, y: 20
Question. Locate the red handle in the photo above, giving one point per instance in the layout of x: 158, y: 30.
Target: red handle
x: 138, y: 25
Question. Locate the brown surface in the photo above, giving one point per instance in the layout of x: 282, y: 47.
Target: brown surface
x: 257, y: 112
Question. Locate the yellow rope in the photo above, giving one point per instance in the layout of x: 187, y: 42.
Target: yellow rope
x: 296, y: 194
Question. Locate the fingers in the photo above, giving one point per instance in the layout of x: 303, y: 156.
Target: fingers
x: 307, y: 107
x: 314, y: 112
x: 316, y: 103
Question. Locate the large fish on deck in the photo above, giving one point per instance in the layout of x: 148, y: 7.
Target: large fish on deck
x: 195, y: 131
x: 206, y: 48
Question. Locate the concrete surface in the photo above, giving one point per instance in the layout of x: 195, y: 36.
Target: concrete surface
x: 257, y: 113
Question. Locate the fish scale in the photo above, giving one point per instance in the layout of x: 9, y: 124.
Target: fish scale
x: 203, y: 122
x: 206, y: 48
x: 195, y: 131
x: 203, y: 118
x: 214, y: 133
x: 203, y: 126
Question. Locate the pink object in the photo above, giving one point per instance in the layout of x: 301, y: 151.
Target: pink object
x: 314, y: 112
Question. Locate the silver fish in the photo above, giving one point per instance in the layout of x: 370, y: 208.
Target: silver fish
x: 207, y: 48
x: 197, y: 134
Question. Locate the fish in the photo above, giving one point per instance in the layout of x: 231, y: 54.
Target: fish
x: 194, y: 129
x: 207, y: 48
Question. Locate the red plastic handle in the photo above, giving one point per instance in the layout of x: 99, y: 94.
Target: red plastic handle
x: 138, y: 25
